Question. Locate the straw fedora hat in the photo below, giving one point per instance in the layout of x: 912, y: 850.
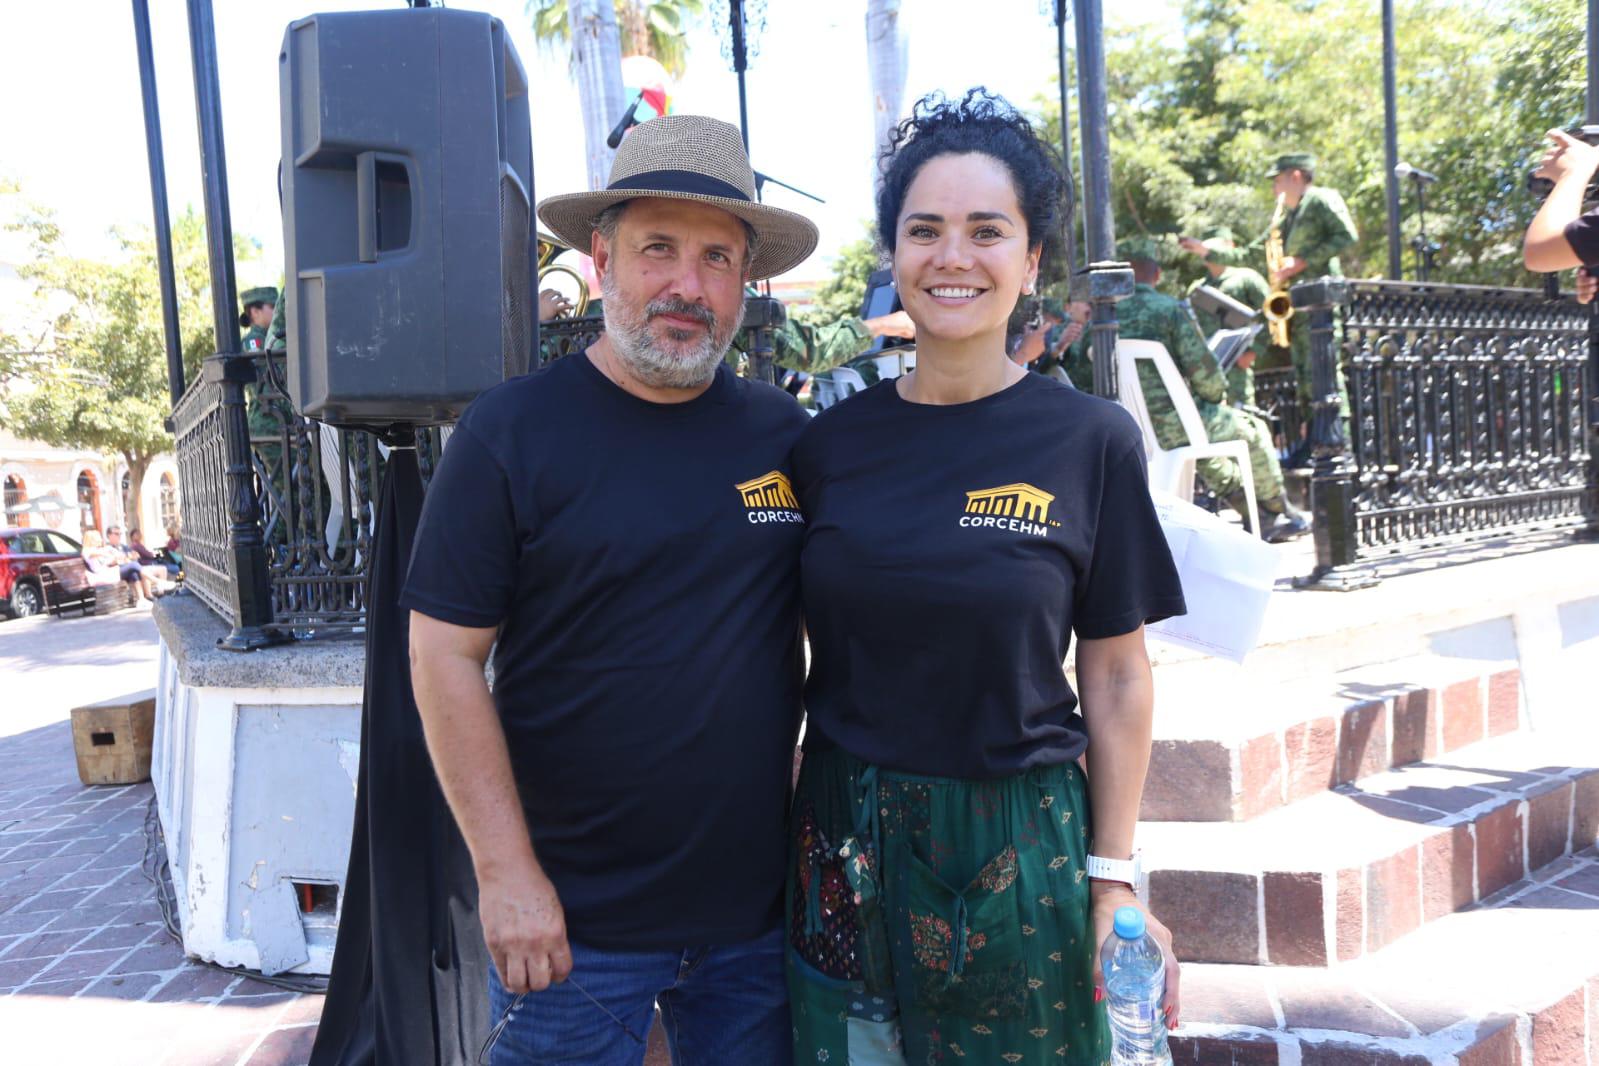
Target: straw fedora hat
x: 687, y: 157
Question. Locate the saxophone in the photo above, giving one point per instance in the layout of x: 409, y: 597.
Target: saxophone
x: 1279, y: 308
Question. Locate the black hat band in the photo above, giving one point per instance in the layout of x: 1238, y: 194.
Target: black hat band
x: 683, y: 181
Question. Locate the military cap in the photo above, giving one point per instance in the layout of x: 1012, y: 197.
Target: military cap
x: 1293, y: 161
x: 1136, y: 248
x: 261, y: 294
x: 1219, y: 238
x: 1052, y: 307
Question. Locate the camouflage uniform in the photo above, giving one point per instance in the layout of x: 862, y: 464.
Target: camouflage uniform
x: 254, y: 340
x: 1154, y: 316
x: 812, y: 349
x: 1315, y: 230
x: 1250, y: 289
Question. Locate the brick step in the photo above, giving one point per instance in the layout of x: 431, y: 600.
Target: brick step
x: 1513, y: 981
x: 1347, y: 872
x: 1229, y: 747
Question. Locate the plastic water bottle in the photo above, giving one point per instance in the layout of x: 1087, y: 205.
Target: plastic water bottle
x: 1135, y: 986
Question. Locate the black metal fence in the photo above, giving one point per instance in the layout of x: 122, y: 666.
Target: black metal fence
x: 299, y: 499
x: 1277, y: 394
x: 1468, y: 419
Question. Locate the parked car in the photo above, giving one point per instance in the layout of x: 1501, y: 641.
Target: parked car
x: 24, y: 553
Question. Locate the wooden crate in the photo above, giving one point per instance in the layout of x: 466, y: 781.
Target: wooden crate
x: 113, y: 739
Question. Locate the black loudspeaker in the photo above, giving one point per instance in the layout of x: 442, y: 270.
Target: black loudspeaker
x: 407, y: 193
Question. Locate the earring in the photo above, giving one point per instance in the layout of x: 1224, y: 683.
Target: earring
x: 1027, y: 290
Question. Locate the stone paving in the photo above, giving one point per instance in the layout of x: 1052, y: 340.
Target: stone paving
x: 88, y: 973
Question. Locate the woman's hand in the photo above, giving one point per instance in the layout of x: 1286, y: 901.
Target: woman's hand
x: 1107, y: 897
x: 1587, y: 285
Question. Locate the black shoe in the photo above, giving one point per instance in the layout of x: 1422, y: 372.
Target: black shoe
x: 1300, y: 457
x: 1286, y: 526
x: 1238, y: 502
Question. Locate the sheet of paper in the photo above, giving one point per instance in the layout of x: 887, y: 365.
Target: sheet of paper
x: 1227, y: 577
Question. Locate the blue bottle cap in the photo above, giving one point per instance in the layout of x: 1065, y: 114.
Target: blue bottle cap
x: 1129, y: 923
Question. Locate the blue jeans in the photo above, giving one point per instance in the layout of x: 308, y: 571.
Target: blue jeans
x: 720, y: 1006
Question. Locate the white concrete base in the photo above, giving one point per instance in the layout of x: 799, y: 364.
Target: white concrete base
x: 256, y: 789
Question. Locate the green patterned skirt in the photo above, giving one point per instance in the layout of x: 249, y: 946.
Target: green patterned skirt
x: 935, y: 920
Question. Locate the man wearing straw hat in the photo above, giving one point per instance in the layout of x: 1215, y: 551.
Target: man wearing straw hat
x: 622, y: 524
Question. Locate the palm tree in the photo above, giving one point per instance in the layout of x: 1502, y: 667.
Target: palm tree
x: 885, y: 58
x: 597, y: 68
x: 654, y: 28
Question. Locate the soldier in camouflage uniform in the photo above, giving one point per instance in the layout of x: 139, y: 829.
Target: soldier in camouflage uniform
x: 1248, y: 288
x: 1152, y: 315
x: 1316, y: 227
x: 256, y: 316
x: 816, y: 349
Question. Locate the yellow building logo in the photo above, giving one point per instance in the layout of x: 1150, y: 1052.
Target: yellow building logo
x: 1020, y: 507
x: 770, y: 498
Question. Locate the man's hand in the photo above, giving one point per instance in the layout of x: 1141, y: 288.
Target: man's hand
x: 1587, y: 284
x: 525, y: 930
x: 1107, y: 897
x: 1194, y: 245
x: 896, y: 324
x: 1077, y: 316
x: 1567, y: 155
x: 1291, y: 265
x: 552, y: 304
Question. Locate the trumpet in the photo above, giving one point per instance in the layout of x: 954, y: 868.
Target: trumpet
x: 548, y: 249
x: 1279, y: 306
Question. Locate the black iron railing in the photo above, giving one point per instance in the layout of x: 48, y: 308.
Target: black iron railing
x: 224, y: 555
x: 1468, y: 419
x: 563, y: 336
x: 1277, y: 394
x: 305, y: 495
x: 202, y: 470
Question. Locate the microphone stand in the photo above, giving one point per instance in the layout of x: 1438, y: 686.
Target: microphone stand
x: 762, y: 179
x: 1425, y: 250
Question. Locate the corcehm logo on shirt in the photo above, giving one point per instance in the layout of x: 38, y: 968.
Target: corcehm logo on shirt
x: 770, y: 498
x: 1020, y: 508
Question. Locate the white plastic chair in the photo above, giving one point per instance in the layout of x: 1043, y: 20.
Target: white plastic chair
x: 1175, y: 470
x: 831, y: 387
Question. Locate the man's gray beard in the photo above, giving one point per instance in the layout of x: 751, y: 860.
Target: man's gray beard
x: 665, y: 368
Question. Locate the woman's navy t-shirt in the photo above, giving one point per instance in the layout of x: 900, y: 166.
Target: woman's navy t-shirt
x: 950, y: 552
x: 642, y: 563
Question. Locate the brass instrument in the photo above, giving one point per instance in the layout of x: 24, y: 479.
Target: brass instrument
x: 1279, y: 307
x: 548, y: 249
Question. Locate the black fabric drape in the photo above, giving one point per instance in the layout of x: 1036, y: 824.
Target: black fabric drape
x: 409, y: 967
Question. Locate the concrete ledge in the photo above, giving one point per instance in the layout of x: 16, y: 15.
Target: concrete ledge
x: 190, y: 632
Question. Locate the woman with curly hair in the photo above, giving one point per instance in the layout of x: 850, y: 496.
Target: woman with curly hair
x: 962, y: 522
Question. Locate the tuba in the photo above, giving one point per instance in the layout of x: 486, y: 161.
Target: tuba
x: 1279, y: 307
x: 548, y: 249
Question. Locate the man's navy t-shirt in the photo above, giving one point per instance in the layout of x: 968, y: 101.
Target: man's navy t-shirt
x: 643, y: 562
x: 950, y: 552
x: 1583, y: 235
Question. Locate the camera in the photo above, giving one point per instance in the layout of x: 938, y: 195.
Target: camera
x: 763, y: 312
x: 1540, y: 188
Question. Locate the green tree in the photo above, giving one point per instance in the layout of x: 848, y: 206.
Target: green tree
x: 104, y: 387
x: 654, y: 28
x: 1194, y: 121
x: 841, y: 295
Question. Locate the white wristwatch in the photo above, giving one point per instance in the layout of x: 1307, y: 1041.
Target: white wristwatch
x: 1127, y: 871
